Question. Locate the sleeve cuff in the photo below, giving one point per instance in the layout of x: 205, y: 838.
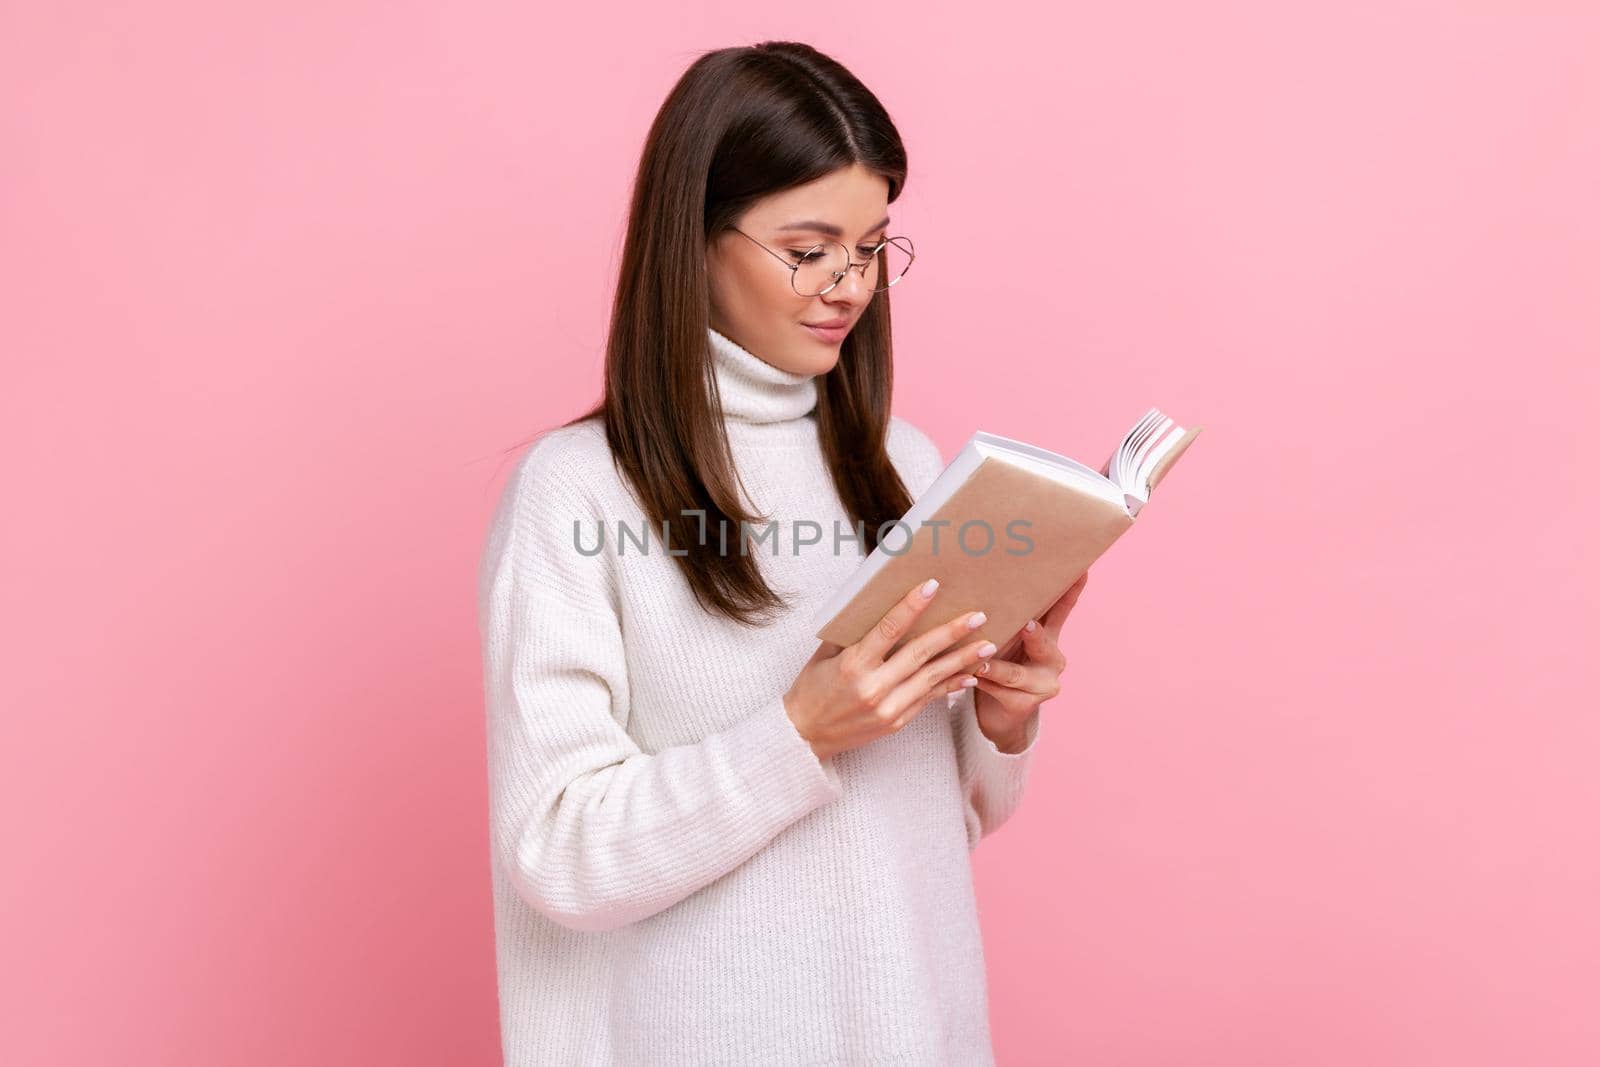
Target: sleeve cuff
x: 993, y: 751
x: 781, y: 764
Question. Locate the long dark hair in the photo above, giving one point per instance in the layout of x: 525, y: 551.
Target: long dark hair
x: 740, y: 124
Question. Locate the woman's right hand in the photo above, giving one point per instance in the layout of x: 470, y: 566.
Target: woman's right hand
x: 846, y: 696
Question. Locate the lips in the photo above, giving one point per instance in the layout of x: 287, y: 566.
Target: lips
x: 831, y: 324
x: 829, y: 334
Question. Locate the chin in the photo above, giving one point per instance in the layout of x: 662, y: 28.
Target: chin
x: 813, y: 362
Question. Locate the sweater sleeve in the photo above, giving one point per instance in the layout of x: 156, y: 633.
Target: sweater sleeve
x: 593, y: 832
x: 991, y: 780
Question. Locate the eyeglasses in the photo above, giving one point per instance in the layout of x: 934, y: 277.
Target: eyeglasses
x: 821, y: 267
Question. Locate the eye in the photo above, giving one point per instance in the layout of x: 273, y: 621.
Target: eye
x: 802, y: 255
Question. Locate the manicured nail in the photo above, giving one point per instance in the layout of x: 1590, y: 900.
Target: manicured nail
x: 929, y: 586
x: 976, y: 619
x: 986, y: 649
x: 969, y: 681
x: 1031, y: 626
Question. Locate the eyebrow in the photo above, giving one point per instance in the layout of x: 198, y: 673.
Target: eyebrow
x: 829, y: 228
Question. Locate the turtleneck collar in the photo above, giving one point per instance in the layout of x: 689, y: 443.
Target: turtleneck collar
x: 753, y: 390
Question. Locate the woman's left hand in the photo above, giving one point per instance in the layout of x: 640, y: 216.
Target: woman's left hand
x: 1010, y: 690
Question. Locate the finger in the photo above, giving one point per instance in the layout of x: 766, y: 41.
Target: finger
x: 896, y: 623
x: 1042, y: 648
x: 1070, y: 596
x: 918, y: 652
x: 1033, y: 679
x: 962, y: 659
x: 960, y: 682
x: 1011, y: 647
x: 931, y: 676
x: 1013, y: 701
x: 957, y: 682
x: 1056, y: 617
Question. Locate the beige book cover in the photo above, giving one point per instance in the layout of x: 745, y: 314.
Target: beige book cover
x: 1007, y: 527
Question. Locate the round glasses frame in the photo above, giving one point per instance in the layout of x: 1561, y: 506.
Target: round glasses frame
x: 903, y: 243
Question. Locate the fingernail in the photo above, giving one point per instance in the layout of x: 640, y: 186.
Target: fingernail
x: 969, y: 681
x: 929, y: 586
x: 976, y: 619
x: 986, y: 649
x: 1031, y: 626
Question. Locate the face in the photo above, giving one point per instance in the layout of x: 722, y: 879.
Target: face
x: 752, y: 300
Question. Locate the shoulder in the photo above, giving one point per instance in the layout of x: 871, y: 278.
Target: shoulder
x: 568, y: 463
x: 914, y: 454
x: 559, y: 481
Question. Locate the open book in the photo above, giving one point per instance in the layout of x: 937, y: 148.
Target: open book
x: 1006, y: 528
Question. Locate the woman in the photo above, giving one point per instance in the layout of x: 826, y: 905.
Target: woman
x: 708, y: 847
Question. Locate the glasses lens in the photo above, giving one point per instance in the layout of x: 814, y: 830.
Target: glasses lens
x: 894, y: 260
x: 820, y: 268
x: 823, y: 265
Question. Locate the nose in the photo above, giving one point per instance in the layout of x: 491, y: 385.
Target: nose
x: 852, y: 289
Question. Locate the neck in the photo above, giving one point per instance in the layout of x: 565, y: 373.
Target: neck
x: 753, y: 390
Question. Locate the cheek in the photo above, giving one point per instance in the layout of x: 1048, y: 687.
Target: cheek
x: 728, y: 286
x: 758, y: 295
x: 767, y: 289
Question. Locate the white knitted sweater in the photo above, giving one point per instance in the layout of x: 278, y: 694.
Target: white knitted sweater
x: 677, y: 878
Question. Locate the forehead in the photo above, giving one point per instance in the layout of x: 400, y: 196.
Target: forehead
x: 850, y: 201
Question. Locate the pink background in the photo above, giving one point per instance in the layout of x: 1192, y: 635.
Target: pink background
x: 282, y: 282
